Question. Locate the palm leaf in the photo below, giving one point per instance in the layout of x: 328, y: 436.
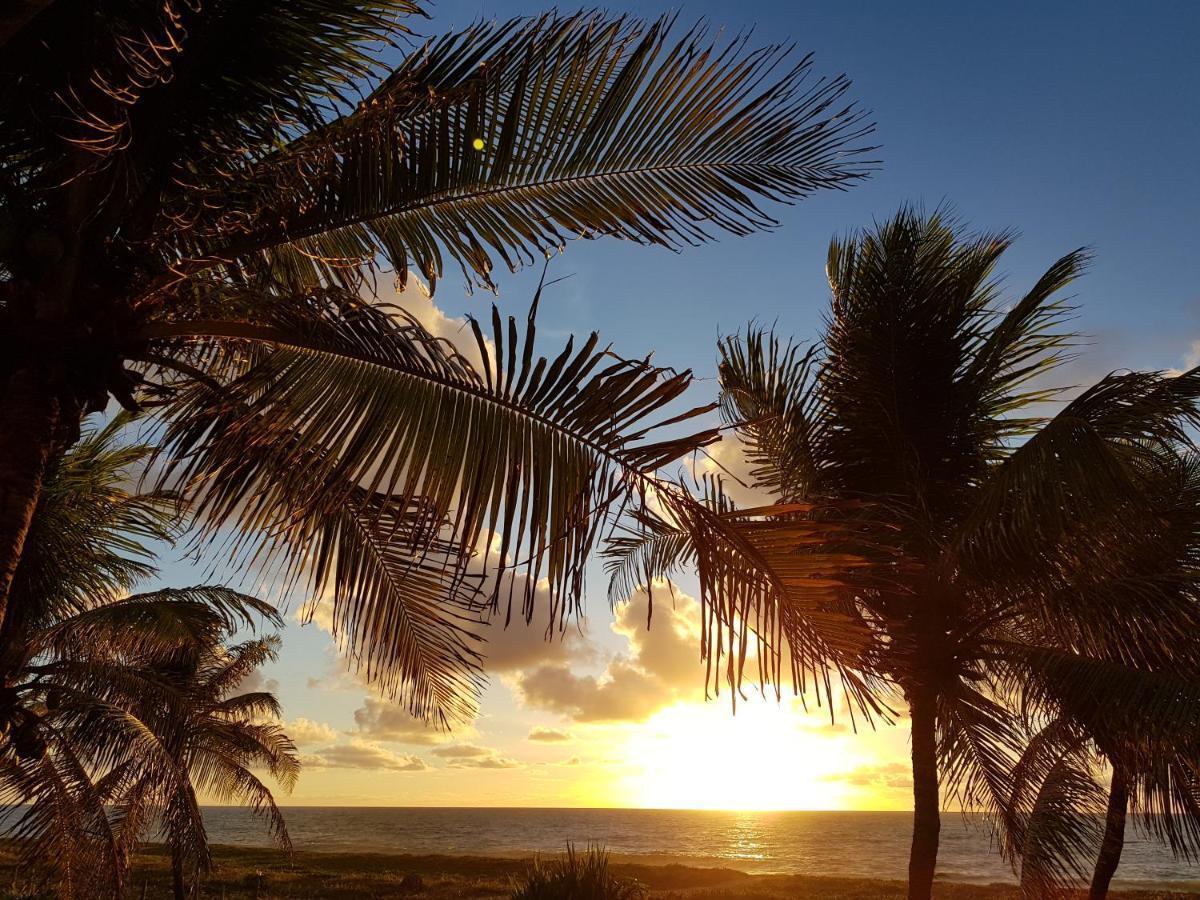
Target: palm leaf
x: 589, y: 125
x: 407, y: 459
x: 769, y: 394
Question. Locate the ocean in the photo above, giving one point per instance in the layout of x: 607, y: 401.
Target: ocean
x: 856, y: 844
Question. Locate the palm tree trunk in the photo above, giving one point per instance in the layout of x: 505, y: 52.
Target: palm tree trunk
x: 29, y: 423
x: 1114, y: 836
x: 177, y: 874
x: 922, y: 860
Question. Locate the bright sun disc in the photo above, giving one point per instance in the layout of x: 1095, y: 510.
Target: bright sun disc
x: 694, y: 756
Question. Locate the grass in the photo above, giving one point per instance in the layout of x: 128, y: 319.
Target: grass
x: 245, y: 873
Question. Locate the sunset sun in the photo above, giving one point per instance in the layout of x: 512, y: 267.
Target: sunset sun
x: 691, y: 756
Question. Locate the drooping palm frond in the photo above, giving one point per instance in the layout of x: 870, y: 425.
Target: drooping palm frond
x: 646, y: 546
x: 1121, y: 584
x: 57, y: 816
x: 156, y: 625
x: 979, y: 741
x: 506, y: 139
x: 1090, y: 462
x: 1062, y: 830
x: 775, y: 584
x: 356, y: 444
x: 159, y: 90
x: 1145, y: 722
x: 215, y: 743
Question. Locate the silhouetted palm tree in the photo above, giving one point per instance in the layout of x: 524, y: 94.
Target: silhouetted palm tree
x: 966, y: 519
x: 216, y: 737
x: 97, y: 700
x: 1140, y: 716
x: 194, y: 199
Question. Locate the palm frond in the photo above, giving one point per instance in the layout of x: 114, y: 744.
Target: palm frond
x: 1062, y: 830
x: 585, y: 125
x: 769, y: 394
x: 1087, y: 462
x: 406, y: 460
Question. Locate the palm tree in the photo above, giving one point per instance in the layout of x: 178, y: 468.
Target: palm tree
x: 194, y: 202
x: 1145, y: 726
x: 97, y: 702
x: 215, y: 739
x: 965, y: 518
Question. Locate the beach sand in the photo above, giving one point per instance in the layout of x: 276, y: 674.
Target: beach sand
x: 242, y: 873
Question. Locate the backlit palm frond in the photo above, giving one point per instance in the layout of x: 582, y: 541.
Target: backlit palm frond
x: 769, y: 393
x: 911, y: 300
x: 357, y: 445
x: 93, y: 534
x: 1062, y: 831
x: 60, y: 821
x: 1089, y: 463
x: 1104, y: 696
x: 979, y: 742
x: 774, y: 585
x: 1125, y: 584
x: 645, y: 547
x: 228, y: 667
x: 1043, y: 749
x: 1019, y: 346
x: 504, y: 140
x: 156, y: 625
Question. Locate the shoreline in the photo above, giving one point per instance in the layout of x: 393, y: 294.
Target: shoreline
x: 242, y: 872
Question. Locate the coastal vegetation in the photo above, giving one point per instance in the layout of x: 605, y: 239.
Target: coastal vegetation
x: 201, y: 205
x: 1008, y: 567
x: 124, y: 708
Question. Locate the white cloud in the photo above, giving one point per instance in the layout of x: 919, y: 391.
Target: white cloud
x: 364, y: 755
x: 383, y: 721
x: 1191, y: 359
x: 662, y: 666
x: 548, y: 735
x: 306, y: 731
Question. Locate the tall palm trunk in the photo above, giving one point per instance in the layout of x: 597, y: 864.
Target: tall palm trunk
x: 922, y: 860
x: 29, y: 423
x: 177, y: 879
x: 1114, y: 835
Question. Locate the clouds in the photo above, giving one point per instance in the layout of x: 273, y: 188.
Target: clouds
x: 306, y: 731
x: 892, y: 776
x: 486, y: 762
x: 383, y: 721
x: 463, y: 751
x: 661, y: 668
x: 364, y: 755
x: 548, y: 735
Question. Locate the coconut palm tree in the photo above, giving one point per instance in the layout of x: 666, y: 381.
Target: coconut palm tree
x: 195, y: 199
x: 97, y: 700
x: 216, y: 737
x: 967, y: 518
x: 1144, y: 728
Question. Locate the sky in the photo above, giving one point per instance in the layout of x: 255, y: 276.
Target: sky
x: 1078, y: 124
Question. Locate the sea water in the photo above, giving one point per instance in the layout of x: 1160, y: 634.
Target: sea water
x: 854, y: 844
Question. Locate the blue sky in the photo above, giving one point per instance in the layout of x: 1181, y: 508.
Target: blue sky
x: 1075, y: 123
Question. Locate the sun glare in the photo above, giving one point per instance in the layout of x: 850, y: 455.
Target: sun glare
x: 698, y: 756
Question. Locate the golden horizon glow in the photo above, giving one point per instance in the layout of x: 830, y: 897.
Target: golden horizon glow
x: 692, y: 756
